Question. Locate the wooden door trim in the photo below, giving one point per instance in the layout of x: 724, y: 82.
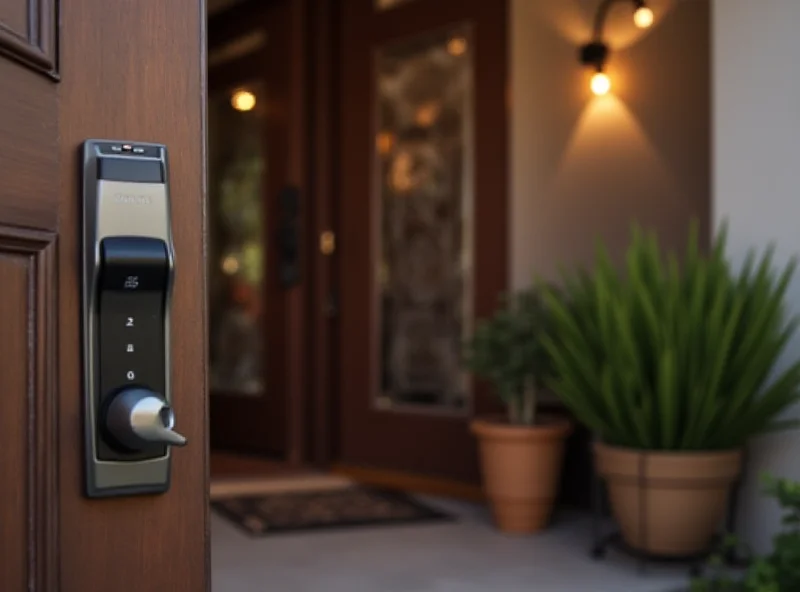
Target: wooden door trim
x: 35, y: 251
x: 297, y: 310
x: 491, y: 176
x: 322, y: 268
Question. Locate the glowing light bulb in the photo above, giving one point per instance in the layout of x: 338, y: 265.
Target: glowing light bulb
x: 243, y: 100
x: 600, y: 84
x: 643, y: 17
x: 457, y: 46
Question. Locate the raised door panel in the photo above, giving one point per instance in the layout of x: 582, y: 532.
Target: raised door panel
x: 28, y: 404
x: 29, y: 197
x: 28, y: 31
x: 28, y: 114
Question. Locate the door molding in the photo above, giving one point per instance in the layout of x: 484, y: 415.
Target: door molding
x: 323, y: 269
x: 33, y: 253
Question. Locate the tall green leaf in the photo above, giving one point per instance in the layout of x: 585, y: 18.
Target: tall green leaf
x: 676, y: 352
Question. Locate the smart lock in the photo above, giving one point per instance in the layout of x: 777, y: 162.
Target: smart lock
x: 128, y: 267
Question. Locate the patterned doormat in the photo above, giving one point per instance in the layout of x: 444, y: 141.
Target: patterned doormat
x: 316, y: 510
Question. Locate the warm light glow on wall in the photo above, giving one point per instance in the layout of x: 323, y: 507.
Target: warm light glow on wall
x: 643, y: 17
x: 600, y: 84
x: 243, y: 100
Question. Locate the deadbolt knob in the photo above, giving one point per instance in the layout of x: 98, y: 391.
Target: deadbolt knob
x: 136, y: 417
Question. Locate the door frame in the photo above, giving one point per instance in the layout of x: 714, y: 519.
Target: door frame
x: 325, y: 272
x: 224, y: 27
x: 312, y: 388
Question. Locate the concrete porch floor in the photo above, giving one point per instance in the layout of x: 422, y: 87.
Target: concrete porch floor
x: 462, y: 556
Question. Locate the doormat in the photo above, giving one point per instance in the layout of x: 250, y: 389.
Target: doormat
x: 318, y: 510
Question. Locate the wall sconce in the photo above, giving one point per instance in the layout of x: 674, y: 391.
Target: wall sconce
x: 595, y: 53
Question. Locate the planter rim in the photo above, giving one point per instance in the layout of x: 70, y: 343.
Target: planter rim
x: 497, y: 426
x: 668, y: 453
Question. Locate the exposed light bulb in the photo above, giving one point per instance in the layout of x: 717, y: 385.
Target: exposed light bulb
x: 643, y: 17
x: 457, y: 46
x: 600, y: 84
x: 243, y: 100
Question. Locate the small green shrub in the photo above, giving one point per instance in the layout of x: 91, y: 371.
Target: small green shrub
x: 778, y: 571
x: 506, y: 350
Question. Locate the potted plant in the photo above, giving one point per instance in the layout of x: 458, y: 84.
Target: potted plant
x: 521, y: 454
x: 672, y: 363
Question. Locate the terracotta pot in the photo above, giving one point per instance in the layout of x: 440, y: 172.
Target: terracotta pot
x: 668, y: 504
x: 521, y: 468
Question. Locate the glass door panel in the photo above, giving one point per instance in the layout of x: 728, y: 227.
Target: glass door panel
x: 237, y: 238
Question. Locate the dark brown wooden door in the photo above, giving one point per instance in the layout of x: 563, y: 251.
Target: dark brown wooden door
x: 254, y: 217
x: 71, y: 71
x: 422, y: 169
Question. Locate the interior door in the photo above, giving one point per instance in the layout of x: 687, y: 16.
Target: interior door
x: 71, y: 71
x: 422, y: 211
x: 253, y: 219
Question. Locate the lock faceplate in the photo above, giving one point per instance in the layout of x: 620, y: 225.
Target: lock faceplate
x: 128, y: 266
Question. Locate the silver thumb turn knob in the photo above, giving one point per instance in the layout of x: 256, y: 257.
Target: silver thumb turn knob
x: 137, y: 417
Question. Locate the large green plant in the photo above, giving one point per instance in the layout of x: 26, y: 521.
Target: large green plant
x: 674, y: 354
x: 506, y: 350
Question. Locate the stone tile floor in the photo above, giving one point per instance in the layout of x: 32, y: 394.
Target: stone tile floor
x: 463, y: 556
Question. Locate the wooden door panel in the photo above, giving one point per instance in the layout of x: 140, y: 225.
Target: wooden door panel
x: 130, y: 70
x: 135, y: 70
x: 29, y: 140
x: 28, y: 407
x: 378, y: 431
x: 29, y: 198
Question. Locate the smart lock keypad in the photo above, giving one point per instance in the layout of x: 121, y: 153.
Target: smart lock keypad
x: 132, y: 289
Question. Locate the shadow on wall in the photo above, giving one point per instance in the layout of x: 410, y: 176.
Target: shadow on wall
x: 585, y: 166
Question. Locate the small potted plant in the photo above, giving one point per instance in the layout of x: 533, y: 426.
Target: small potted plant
x: 672, y: 363
x: 521, y: 454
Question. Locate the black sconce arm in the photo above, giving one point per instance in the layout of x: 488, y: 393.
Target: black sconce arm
x: 595, y: 52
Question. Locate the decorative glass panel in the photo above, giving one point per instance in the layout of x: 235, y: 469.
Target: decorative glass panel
x: 236, y: 220
x: 425, y: 198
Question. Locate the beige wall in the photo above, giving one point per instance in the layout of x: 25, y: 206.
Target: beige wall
x: 582, y: 166
x: 757, y: 183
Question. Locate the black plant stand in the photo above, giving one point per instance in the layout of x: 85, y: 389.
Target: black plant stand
x: 602, y: 541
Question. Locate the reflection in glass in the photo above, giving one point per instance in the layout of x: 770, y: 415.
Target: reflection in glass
x: 389, y: 4
x: 423, y: 148
x: 237, y: 163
